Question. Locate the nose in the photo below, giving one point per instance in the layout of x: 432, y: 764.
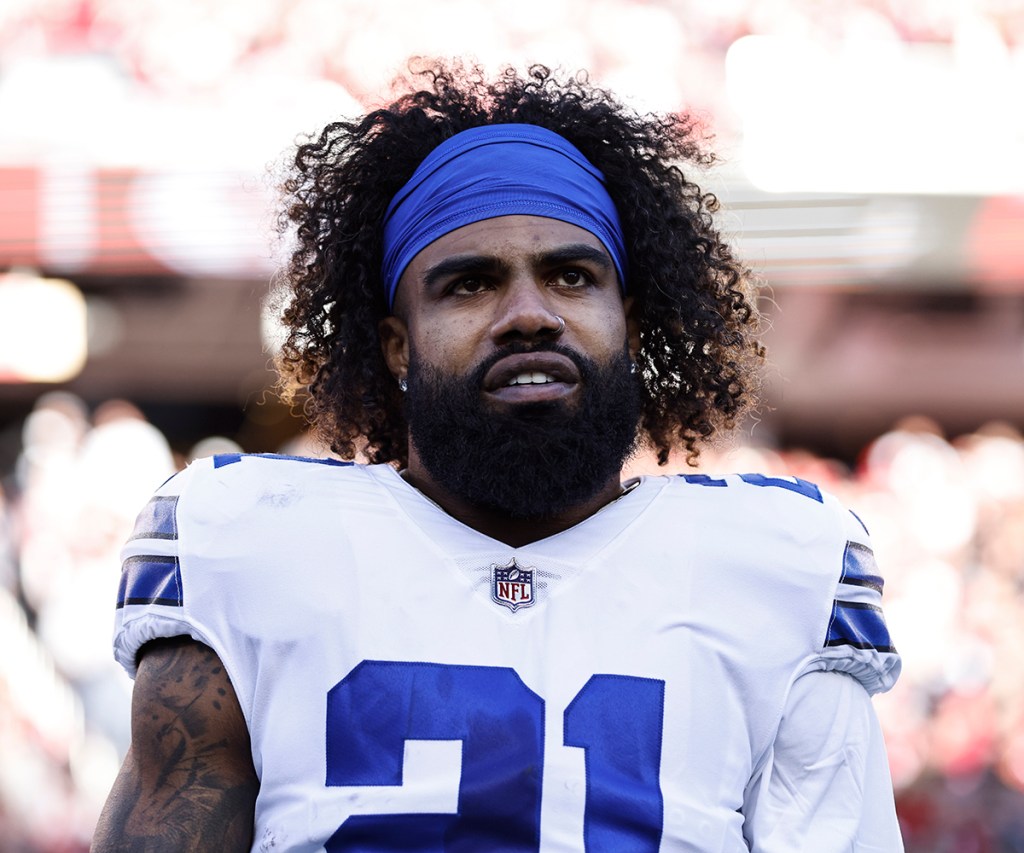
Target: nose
x: 524, y: 314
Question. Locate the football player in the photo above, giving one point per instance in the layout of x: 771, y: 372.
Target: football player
x: 484, y: 640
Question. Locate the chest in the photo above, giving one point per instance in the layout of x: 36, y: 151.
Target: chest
x: 398, y: 693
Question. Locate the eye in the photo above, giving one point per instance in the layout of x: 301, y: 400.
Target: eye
x: 467, y: 286
x: 573, y: 277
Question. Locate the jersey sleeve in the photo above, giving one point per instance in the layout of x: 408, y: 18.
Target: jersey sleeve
x: 150, y: 595
x: 856, y: 639
x: 826, y: 785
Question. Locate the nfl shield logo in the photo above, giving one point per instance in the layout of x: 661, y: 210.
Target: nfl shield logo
x: 512, y: 586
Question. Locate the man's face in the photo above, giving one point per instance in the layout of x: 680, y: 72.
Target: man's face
x: 503, y: 408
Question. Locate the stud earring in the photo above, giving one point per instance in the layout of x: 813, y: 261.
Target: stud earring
x: 403, y: 386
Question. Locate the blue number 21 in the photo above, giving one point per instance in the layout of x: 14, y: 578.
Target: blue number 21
x: 616, y: 719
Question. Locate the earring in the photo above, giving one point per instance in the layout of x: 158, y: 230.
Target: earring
x: 632, y: 368
x: 403, y: 386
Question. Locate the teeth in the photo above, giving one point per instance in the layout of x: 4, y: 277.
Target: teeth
x: 533, y: 378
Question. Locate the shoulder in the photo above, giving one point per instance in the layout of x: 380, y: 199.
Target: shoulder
x: 221, y: 504
x: 772, y: 532
x: 225, y: 460
x: 211, y: 526
x: 226, y: 484
x: 801, y: 536
x: 778, y: 502
x: 241, y: 469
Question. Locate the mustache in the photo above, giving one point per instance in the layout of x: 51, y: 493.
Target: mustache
x: 584, y: 365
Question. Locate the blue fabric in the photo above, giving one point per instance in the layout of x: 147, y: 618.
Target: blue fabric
x: 220, y: 460
x: 157, y: 519
x: 859, y: 625
x: 150, y: 580
x: 859, y: 567
x: 497, y: 170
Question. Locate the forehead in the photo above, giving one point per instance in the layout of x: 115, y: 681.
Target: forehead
x: 506, y: 238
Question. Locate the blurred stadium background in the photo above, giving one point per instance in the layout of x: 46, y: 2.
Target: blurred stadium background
x: 872, y: 171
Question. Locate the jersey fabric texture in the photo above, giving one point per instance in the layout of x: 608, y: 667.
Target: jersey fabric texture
x: 625, y: 685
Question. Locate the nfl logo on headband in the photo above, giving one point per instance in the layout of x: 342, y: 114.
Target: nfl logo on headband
x: 512, y: 586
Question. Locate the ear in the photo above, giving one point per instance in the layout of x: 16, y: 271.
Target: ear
x: 394, y: 345
x: 632, y: 327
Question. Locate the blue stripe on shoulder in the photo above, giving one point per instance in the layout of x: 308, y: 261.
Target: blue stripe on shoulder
x: 860, y: 521
x: 222, y: 459
x: 859, y: 625
x: 792, y: 484
x: 704, y: 480
x: 859, y: 567
x: 150, y: 580
x: 158, y: 519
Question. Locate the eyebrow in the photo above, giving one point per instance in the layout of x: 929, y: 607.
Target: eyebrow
x: 462, y: 264
x: 472, y: 263
x: 574, y: 252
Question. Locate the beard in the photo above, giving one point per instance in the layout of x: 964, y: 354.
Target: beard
x: 531, y: 460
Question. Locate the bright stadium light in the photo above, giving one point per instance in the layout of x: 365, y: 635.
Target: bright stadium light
x: 877, y: 116
x: 42, y: 329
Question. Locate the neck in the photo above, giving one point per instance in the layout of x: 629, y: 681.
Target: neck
x: 515, y: 532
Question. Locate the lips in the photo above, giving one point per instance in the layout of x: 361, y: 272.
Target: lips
x: 532, y: 376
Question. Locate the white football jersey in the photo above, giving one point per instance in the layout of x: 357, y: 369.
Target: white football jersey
x: 411, y: 684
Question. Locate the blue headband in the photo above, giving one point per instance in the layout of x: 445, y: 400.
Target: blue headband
x: 466, y: 179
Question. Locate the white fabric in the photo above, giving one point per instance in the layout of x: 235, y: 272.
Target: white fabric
x: 297, y: 573
x: 826, y: 786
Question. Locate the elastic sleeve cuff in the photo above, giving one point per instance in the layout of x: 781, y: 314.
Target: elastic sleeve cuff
x: 877, y: 671
x: 134, y: 634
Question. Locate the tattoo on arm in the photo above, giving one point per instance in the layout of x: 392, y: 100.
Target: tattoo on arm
x: 188, y: 782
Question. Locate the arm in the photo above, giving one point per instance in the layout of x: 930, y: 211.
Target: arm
x: 826, y: 787
x: 187, y: 783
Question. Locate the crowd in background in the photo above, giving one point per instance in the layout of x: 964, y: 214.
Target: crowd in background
x: 254, y: 54
x: 946, y: 517
x: 65, y: 511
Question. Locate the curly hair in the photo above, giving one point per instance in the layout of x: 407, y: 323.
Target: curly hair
x: 700, y: 354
